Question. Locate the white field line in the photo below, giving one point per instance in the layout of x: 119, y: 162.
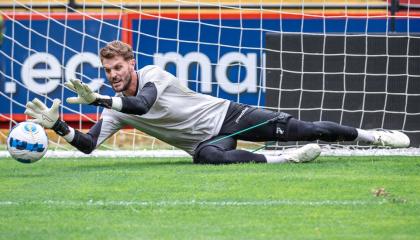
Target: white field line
x: 227, y: 203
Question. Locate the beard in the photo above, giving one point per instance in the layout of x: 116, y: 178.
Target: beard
x: 126, y: 84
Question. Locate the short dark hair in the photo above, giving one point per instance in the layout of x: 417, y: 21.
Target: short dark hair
x: 117, y: 48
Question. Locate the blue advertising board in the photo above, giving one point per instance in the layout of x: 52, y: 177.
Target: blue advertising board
x: 221, y: 57
x: 38, y: 54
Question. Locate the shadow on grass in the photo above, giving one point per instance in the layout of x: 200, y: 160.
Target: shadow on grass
x: 141, y: 164
x: 134, y: 164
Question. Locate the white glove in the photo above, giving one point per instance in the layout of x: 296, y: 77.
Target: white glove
x: 43, y: 115
x: 85, y: 94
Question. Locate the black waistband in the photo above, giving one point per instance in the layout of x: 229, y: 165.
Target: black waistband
x: 233, y: 111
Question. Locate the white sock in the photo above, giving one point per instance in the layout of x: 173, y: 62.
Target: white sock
x: 275, y: 159
x: 364, y: 136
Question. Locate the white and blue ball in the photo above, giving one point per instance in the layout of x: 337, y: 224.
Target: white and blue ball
x: 27, y: 142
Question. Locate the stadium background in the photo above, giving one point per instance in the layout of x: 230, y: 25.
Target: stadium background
x: 114, y: 196
x: 242, y: 31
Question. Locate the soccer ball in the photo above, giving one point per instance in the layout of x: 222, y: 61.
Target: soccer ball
x: 27, y: 142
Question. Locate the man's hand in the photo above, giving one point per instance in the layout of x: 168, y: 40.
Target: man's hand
x: 85, y: 94
x: 43, y: 115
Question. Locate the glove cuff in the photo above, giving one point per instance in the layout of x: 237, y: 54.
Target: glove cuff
x: 102, y: 102
x: 61, y: 128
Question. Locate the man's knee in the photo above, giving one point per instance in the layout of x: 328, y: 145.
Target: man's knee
x: 311, y: 131
x: 210, y: 155
x: 335, y: 132
x: 327, y: 131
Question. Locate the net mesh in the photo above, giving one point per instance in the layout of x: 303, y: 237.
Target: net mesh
x: 352, y: 62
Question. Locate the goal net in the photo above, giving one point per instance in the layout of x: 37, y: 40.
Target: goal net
x: 352, y: 62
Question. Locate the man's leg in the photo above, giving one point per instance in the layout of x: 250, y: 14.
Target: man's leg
x: 286, y: 128
x: 331, y: 132
x: 224, y: 152
x: 297, y: 130
x: 281, y: 127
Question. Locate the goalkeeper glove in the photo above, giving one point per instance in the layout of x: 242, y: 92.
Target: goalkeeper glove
x: 86, y: 95
x: 47, y: 117
x: 43, y: 115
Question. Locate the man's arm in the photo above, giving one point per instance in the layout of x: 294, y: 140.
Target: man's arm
x: 50, y: 118
x: 85, y: 142
x: 98, y: 133
x: 132, y: 105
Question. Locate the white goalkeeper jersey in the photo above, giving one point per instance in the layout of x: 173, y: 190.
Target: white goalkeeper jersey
x: 179, y: 116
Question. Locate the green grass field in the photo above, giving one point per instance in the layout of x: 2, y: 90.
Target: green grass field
x: 91, y: 198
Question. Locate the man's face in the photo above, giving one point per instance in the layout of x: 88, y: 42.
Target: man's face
x: 118, y: 71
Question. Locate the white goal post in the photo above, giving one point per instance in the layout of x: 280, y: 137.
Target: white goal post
x: 353, y: 62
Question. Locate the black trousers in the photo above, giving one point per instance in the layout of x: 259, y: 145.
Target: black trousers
x: 280, y: 127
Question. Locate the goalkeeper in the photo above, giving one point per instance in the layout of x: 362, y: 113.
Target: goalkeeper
x: 154, y: 102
